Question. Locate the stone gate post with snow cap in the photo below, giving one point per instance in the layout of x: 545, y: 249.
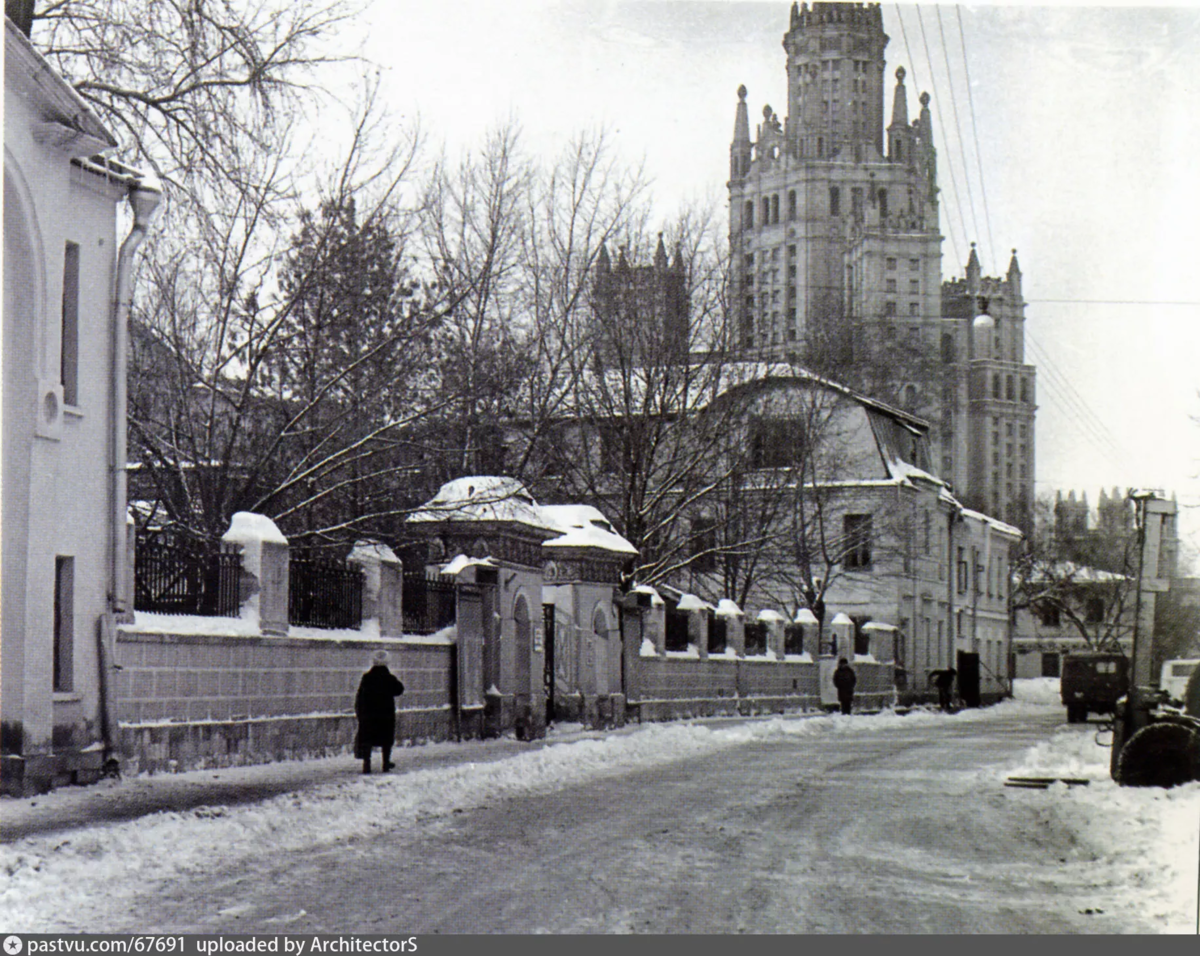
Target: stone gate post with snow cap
x: 382, y: 588
x: 263, y: 585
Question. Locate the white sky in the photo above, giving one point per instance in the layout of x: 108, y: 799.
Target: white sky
x: 1144, y: 865
x: 1088, y: 141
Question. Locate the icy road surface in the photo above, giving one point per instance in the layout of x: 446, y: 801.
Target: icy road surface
x: 817, y: 825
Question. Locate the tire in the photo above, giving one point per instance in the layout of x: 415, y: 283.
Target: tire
x: 1161, y: 755
x: 1076, y: 714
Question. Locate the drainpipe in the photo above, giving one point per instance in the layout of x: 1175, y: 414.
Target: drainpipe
x: 144, y: 197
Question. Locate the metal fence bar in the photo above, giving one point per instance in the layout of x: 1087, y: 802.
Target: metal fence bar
x: 175, y: 578
x: 323, y: 593
x: 428, y: 603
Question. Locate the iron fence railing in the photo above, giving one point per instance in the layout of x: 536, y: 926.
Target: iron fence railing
x: 718, y: 634
x: 183, y: 577
x: 756, y: 638
x: 428, y: 603
x: 677, y: 630
x: 323, y: 592
x: 793, y: 639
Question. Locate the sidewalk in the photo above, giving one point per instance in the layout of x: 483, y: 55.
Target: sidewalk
x: 116, y: 801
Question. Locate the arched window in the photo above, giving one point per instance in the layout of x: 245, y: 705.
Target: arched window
x: 748, y: 215
x: 766, y: 211
x: 792, y: 204
x: 775, y: 209
x: 834, y: 201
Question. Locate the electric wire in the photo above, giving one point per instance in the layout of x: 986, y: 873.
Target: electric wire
x: 975, y: 131
x: 933, y: 85
x: 917, y: 85
x: 958, y: 129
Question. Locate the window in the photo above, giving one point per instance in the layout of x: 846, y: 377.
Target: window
x: 64, y: 623
x: 775, y: 442
x: 1009, y: 389
x: 889, y: 308
x: 891, y: 285
x: 766, y: 211
x: 856, y: 201
x: 856, y: 531
x: 1024, y: 390
x: 914, y: 264
x: 914, y: 308
x: 748, y: 215
x: 1050, y: 662
x: 947, y: 347
x: 963, y: 571
x: 1094, y: 611
x: 775, y: 210
x: 749, y: 260
x: 883, y: 210
x: 70, y: 325
x: 914, y: 286
x: 891, y: 265
x: 1049, y: 615
x: 792, y: 205
x: 995, y: 386
x: 791, y: 252
x: 834, y: 199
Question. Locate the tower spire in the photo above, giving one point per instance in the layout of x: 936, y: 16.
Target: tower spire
x: 739, y: 151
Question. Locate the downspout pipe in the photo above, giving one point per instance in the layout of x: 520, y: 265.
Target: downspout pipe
x: 144, y: 197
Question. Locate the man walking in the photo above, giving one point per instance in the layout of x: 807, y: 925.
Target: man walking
x: 943, y: 680
x: 375, y: 708
x: 844, y: 680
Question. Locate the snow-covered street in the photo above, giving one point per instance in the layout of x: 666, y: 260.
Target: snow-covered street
x: 819, y: 824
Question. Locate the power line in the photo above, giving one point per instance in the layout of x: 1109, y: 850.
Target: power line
x: 1118, y: 302
x: 975, y: 132
x: 917, y: 84
x: 958, y: 129
x: 933, y: 86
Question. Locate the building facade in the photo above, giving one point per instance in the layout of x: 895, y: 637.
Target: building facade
x: 836, y: 259
x: 64, y: 523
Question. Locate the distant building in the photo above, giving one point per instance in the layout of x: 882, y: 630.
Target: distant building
x: 64, y: 524
x: 640, y: 313
x: 836, y: 259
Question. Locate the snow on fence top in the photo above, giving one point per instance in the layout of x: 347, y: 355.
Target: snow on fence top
x: 805, y: 616
x: 689, y: 602
x: 728, y: 608
x: 245, y: 528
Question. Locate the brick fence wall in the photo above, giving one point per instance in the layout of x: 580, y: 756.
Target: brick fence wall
x: 191, y: 700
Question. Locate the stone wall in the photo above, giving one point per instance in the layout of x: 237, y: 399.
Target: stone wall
x: 193, y: 700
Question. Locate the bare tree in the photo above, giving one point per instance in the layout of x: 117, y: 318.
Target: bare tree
x: 279, y: 361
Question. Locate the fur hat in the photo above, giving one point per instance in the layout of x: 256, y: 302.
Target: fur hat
x: 379, y: 657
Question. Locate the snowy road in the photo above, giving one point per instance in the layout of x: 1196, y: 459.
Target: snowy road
x: 901, y: 831
x: 880, y: 823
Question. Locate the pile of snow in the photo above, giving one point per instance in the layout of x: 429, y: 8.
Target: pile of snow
x: 1038, y: 690
x: 1145, y: 841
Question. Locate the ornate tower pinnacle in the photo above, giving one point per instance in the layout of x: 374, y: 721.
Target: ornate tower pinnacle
x: 739, y: 151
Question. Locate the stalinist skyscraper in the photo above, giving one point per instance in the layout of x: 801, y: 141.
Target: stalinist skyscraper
x: 836, y: 258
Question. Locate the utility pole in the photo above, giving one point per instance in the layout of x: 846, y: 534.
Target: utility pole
x: 1156, y: 518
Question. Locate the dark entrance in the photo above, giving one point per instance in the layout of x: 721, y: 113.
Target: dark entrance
x: 968, y: 678
x: 548, y: 670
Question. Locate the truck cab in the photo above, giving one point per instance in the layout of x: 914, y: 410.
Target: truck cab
x: 1093, y: 683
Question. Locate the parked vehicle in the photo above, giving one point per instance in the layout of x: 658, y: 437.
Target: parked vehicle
x: 1093, y: 683
x: 1175, y: 674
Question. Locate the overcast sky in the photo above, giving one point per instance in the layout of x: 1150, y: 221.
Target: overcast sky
x: 1088, y: 150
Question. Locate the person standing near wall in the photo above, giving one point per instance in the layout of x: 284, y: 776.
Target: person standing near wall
x: 375, y: 708
x: 844, y: 680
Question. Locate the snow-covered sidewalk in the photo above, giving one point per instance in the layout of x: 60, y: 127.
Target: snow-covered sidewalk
x: 1148, y: 840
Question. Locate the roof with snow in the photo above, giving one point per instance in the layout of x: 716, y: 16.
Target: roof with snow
x: 583, y: 526
x: 483, y: 498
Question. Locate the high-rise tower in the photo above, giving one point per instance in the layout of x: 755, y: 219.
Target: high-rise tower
x: 836, y: 259
x: 831, y: 227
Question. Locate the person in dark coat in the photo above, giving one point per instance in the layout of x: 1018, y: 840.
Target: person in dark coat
x: 844, y: 680
x: 943, y: 680
x: 375, y: 708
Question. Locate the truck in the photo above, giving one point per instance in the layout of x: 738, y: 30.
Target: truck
x: 1175, y: 675
x: 1092, y: 683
